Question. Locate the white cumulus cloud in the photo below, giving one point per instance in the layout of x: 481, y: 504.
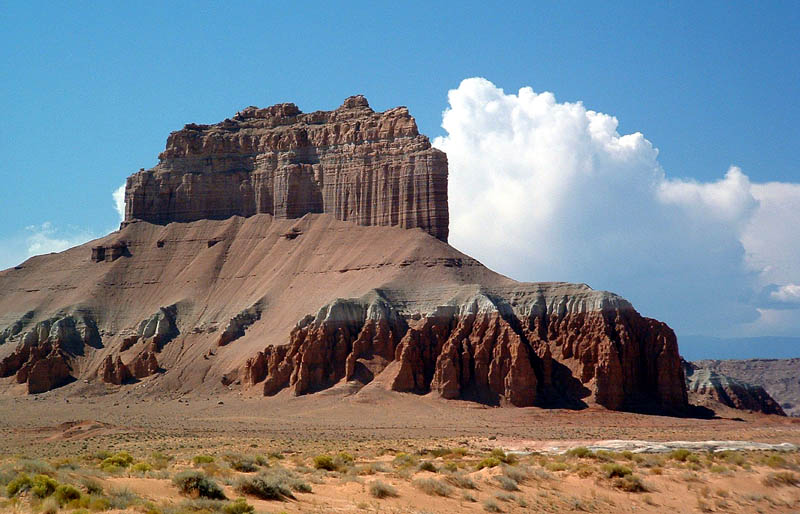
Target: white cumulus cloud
x: 46, y: 238
x: 119, y: 201
x: 790, y: 293
x: 544, y: 190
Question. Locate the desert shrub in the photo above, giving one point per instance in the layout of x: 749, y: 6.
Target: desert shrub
x: 776, y: 461
x: 605, y: 456
x: 195, y: 483
x: 343, y: 460
x: 372, y: 468
x: 460, y: 480
x: 50, y: 506
x: 427, y: 465
x: 628, y: 455
x: 681, y: 454
x: 781, y: 478
x: 98, y: 503
x: 502, y: 456
x: 507, y: 483
x: 517, y: 474
x: 141, y: 467
x: 122, y: 498
x: 382, y: 490
x: 35, y: 467
x: 264, y: 487
x: 556, y: 466
x: 612, y: 470
x: 450, y: 466
x: 276, y: 455
x: 716, y: 468
x: 324, y: 462
x: 43, y: 486
x: 240, y: 506
x: 432, y: 487
x: 440, y: 452
x: 241, y: 463
x: 66, y: 493
x: 65, y: 463
x: 92, y: 486
x: 468, y: 497
x: 199, y: 460
x: 404, y: 460
x: 21, y: 482
x: 488, y: 462
x: 630, y: 483
x: 580, y: 452
x: 160, y: 460
x: 490, y: 505
x: 116, y: 462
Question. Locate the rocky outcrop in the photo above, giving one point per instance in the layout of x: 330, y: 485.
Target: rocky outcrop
x: 356, y: 164
x: 546, y: 349
x: 41, y: 358
x: 778, y: 377
x: 114, y: 371
x: 237, y: 325
x: 729, y: 391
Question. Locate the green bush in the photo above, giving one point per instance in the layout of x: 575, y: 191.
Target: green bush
x: 343, y: 460
x: 240, y: 506
x: 427, y: 466
x: 488, y: 462
x: 160, y: 460
x: 98, y: 503
x: 141, y: 467
x: 21, y: 482
x: 196, y: 483
x: 580, y: 452
x: 611, y: 470
x: 382, y: 490
x: 116, y: 462
x: 199, y: 460
x: 681, y: 454
x: 66, y: 493
x: 324, y: 462
x: 404, y: 460
x: 43, y: 486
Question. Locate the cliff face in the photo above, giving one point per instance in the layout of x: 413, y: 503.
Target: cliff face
x: 356, y: 164
x: 559, y: 345
x: 729, y: 391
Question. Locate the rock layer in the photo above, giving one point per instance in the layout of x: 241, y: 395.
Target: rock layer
x: 356, y: 164
x: 730, y: 391
x: 544, y: 351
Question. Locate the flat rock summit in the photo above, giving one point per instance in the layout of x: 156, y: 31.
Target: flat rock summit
x: 285, y: 253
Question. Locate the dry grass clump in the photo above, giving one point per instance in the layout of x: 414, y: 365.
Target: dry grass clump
x: 581, y: 452
x: 630, y: 483
x: 195, y: 483
x: 201, y: 460
x: 432, y: 487
x: 781, y: 478
x: 264, y: 487
x: 460, y: 480
x: 427, y: 465
x: 404, y: 460
x: 490, y: 505
x: 503, y: 457
x: 507, y: 483
x: 614, y: 470
x: 382, y: 490
x: 242, y: 463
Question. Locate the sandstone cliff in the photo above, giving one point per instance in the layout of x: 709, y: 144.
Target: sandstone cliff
x: 356, y: 164
x: 269, y: 254
x: 706, y: 382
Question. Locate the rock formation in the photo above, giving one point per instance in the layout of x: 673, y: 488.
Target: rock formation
x: 559, y: 345
x: 729, y: 391
x: 249, y: 225
x: 780, y: 378
x: 356, y: 164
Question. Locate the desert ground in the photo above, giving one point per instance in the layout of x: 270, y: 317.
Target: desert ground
x: 390, y: 452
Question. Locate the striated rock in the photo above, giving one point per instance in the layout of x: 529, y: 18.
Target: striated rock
x: 778, y: 377
x: 356, y: 164
x: 41, y: 356
x: 237, y: 325
x: 546, y: 350
x: 730, y: 391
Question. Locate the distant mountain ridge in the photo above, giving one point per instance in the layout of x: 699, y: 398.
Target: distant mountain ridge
x: 779, y: 377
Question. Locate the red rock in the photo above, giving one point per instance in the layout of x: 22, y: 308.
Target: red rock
x: 114, y: 371
x: 359, y: 165
x: 144, y: 365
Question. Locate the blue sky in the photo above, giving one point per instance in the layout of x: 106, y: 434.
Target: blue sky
x: 91, y: 90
